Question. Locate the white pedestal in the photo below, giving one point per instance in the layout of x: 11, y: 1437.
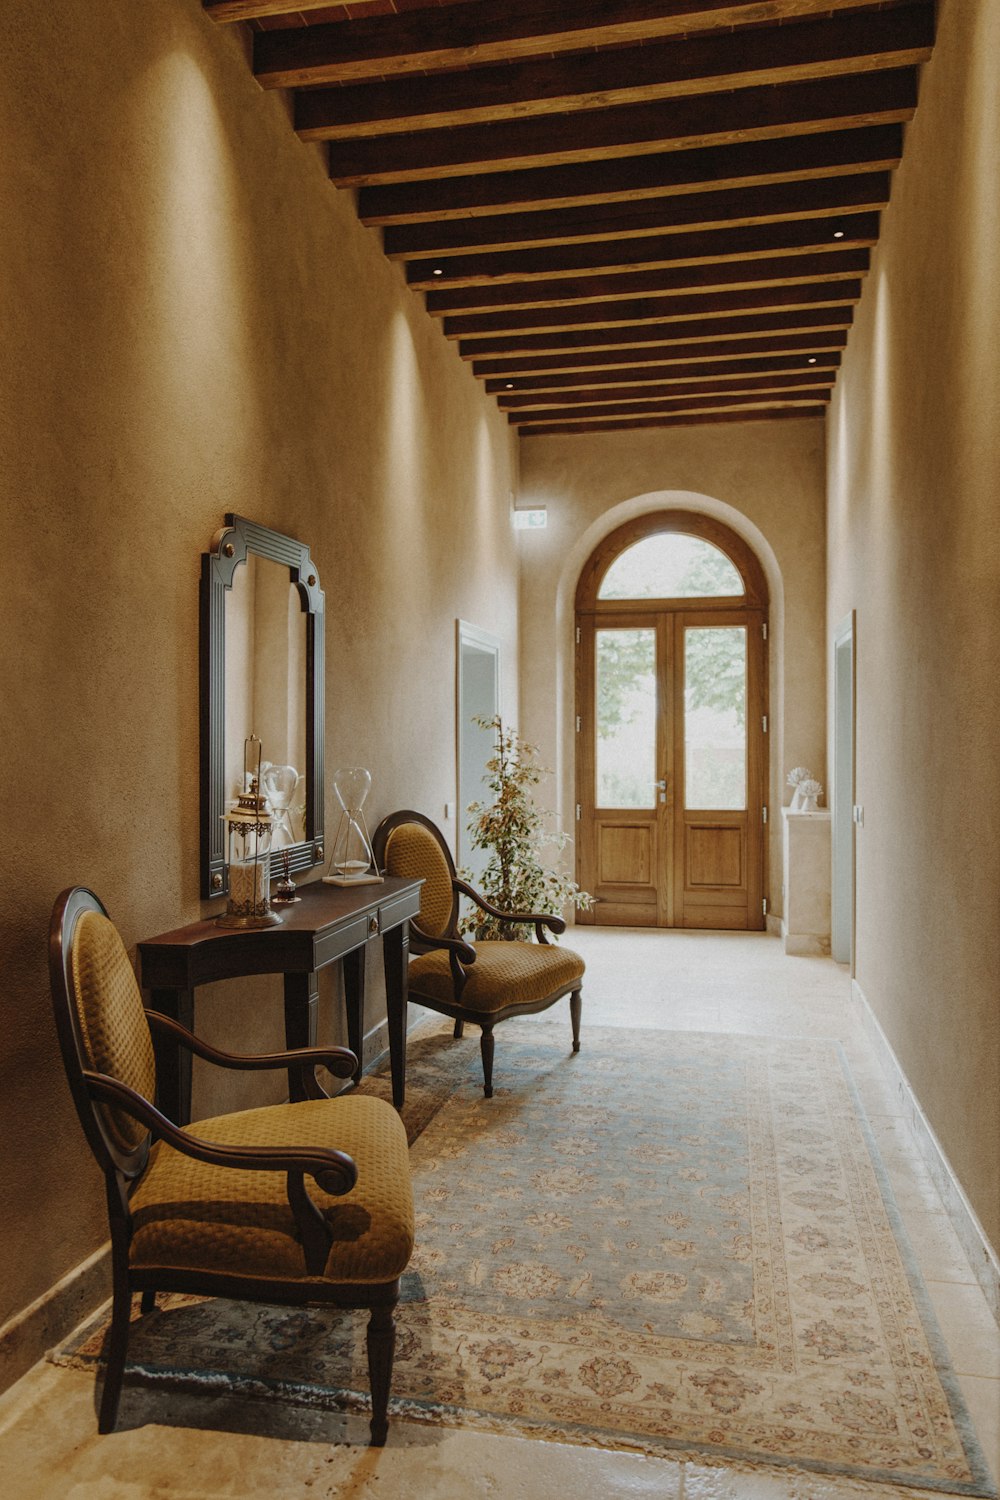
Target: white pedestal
x: 805, y: 926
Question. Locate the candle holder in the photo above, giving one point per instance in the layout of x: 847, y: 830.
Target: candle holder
x: 250, y: 827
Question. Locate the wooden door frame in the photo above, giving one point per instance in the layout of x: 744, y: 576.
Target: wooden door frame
x: 752, y: 604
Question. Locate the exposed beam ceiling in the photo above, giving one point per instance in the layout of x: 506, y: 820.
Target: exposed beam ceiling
x: 637, y: 213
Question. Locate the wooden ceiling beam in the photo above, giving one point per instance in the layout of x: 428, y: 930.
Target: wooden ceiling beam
x: 574, y: 364
x: 744, y: 385
x: 666, y: 374
x: 630, y: 424
x: 630, y: 129
x: 790, y: 159
x: 456, y: 36
x: 255, y: 10
x: 653, y: 309
x: 852, y: 231
x: 673, y: 406
x: 729, y: 206
x: 848, y: 42
x: 782, y: 270
x: 628, y: 336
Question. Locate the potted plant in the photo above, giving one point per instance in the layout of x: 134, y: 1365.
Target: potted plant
x: 514, y: 832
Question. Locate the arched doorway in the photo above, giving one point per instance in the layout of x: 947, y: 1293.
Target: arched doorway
x: 671, y: 694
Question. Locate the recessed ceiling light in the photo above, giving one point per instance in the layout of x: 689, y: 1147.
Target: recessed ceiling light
x: 509, y: 386
x: 838, y: 234
x: 812, y: 361
x: 438, y: 271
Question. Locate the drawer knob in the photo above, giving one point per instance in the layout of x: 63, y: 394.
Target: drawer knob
x: 373, y: 924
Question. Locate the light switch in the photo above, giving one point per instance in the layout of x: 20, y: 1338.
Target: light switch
x: 449, y: 809
x: 859, y: 815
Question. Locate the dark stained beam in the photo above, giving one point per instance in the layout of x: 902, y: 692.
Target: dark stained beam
x: 686, y: 404
x: 766, y: 414
x: 629, y: 129
x: 779, y: 270
x: 678, y: 374
x: 693, y: 332
x: 853, y: 231
x: 713, y: 210
x: 743, y: 385
x: 454, y: 36
x: 792, y: 159
x: 849, y: 42
x: 255, y: 10
x: 653, y: 309
x: 572, y: 365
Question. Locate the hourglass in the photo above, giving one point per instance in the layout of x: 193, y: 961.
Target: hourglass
x: 279, y: 784
x: 353, y: 862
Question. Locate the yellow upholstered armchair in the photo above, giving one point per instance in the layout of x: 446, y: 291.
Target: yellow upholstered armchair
x: 486, y: 982
x: 293, y: 1203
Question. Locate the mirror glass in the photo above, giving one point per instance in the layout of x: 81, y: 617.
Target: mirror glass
x: 266, y: 690
x: 262, y: 673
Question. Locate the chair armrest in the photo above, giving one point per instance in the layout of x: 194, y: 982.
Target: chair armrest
x: 333, y: 1171
x: 454, y: 947
x: 303, y: 1060
x: 459, y: 952
x: 540, y: 920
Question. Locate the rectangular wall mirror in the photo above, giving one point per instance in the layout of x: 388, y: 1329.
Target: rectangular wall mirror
x: 261, y: 673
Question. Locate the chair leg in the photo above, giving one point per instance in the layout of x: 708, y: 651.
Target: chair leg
x: 381, y: 1340
x: 486, y: 1048
x: 575, y: 1007
x: 459, y: 1028
x: 115, y: 1350
x: 148, y: 1303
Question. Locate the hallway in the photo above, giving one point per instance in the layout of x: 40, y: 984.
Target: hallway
x: 180, y: 1448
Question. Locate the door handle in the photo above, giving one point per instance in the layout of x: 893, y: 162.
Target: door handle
x: 661, y: 787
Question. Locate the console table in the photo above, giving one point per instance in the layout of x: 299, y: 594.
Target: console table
x: 329, y: 923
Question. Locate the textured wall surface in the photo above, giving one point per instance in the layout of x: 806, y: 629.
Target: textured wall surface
x: 195, y: 322
x: 914, y: 544
x: 765, y: 479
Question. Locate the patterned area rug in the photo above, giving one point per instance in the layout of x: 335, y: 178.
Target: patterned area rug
x: 673, y: 1242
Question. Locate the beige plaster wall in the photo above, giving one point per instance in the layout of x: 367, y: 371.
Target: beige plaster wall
x: 914, y: 546
x: 195, y: 322
x: 765, y: 480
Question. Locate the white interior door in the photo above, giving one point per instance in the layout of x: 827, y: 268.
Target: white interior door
x: 842, y: 807
x: 477, y: 697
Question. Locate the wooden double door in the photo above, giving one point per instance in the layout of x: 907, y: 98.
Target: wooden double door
x: 672, y: 764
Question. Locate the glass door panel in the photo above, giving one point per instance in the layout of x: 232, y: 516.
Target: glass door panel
x: 625, y: 689
x: 715, y: 717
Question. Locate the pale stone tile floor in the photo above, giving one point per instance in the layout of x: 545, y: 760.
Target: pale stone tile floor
x: 171, y: 1447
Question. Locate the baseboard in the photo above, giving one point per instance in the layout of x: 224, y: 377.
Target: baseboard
x: 982, y: 1256
x: 52, y: 1317
x: 805, y: 944
x: 773, y: 924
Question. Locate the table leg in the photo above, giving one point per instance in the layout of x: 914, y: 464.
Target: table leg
x: 173, y: 1062
x: 301, y: 995
x: 354, y: 1001
x: 395, y: 949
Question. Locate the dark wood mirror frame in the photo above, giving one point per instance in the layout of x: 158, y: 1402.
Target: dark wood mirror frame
x: 230, y: 547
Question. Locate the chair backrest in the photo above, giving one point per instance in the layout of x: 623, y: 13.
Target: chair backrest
x: 101, y: 1024
x: 408, y: 844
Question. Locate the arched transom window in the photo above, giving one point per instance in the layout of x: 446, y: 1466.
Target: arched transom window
x: 671, y: 565
x: 671, y: 557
